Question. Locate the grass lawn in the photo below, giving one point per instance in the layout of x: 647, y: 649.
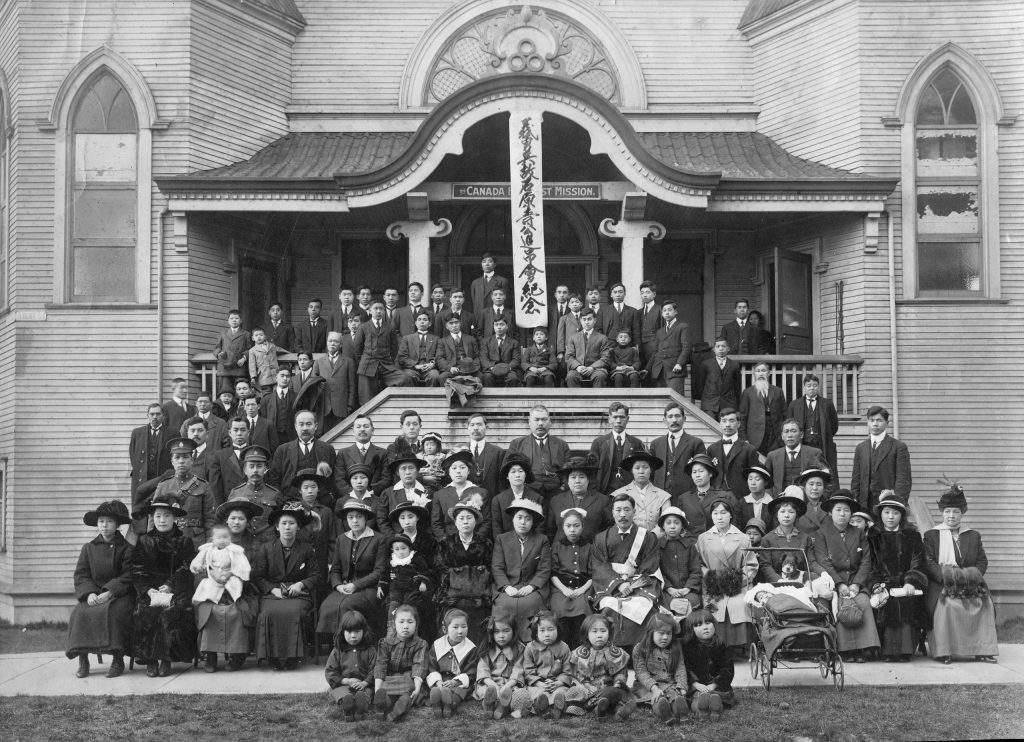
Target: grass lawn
x: 819, y: 714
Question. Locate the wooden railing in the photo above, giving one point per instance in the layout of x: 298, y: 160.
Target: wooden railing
x: 839, y: 375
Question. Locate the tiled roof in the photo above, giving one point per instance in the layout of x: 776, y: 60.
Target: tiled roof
x: 322, y: 155
x: 316, y: 156
x: 739, y: 155
x: 758, y: 9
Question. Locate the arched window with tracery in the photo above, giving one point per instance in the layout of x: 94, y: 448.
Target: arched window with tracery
x: 103, y: 193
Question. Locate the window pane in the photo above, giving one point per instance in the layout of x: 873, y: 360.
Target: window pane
x: 105, y: 158
x: 947, y: 152
x: 104, y: 274
x: 960, y: 109
x: 949, y: 266
x: 122, y: 114
x: 107, y: 213
x: 947, y: 209
x: 930, y: 110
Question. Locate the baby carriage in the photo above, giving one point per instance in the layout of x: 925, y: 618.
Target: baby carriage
x: 792, y: 627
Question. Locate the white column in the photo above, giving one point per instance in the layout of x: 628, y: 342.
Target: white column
x: 632, y: 233
x: 419, y: 234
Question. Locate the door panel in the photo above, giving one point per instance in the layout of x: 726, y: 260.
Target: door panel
x: 792, y: 303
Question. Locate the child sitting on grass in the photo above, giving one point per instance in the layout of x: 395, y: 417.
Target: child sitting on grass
x: 349, y: 668
x: 709, y: 668
x: 451, y: 663
x: 599, y: 670
x: 661, y: 679
x: 400, y: 667
x: 546, y: 669
x: 499, y: 669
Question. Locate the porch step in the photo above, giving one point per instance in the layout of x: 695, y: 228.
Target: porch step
x: 577, y: 416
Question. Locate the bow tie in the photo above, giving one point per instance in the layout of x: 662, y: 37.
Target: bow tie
x: 728, y: 441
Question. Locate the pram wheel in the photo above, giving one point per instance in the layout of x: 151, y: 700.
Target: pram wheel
x: 765, y: 668
x: 823, y: 666
x: 838, y: 672
x: 753, y: 660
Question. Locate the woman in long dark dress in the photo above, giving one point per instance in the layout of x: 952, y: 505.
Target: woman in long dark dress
x: 102, y: 621
x: 464, y: 569
x: 164, y: 623
x: 227, y: 626
x: 286, y: 575
x: 358, y: 562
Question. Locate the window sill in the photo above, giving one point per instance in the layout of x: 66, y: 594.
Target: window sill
x: 950, y: 300
x: 98, y: 306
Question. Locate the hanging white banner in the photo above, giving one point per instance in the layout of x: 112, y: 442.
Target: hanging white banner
x: 529, y: 284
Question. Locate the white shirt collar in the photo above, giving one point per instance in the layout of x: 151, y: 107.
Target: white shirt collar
x: 878, y: 438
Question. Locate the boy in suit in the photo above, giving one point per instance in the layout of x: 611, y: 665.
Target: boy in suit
x: 346, y: 309
x: 230, y: 350
x: 568, y: 326
x: 276, y: 406
x: 538, y: 360
x: 588, y: 354
x: 881, y: 464
x: 650, y: 322
x: 405, y: 317
x: 260, y: 432
x: 721, y: 381
x: 620, y: 316
x: 312, y: 334
x: 458, y: 353
x: 177, y: 409
x: 481, y: 289
x: 740, y: 334
x: 625, y: 361
x: 457, y: 308
x: 500, y: 356
x: 417, y: 353
x: 304, y: 372
x: 376, y: 345
x: 668, y: 365
x: 279, y: 332
x: 817, y: 416
x: 487, y: 316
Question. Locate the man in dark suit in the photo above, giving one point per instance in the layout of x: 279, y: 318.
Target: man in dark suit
x: 481, y: 288
x: 225, y: 466
x: 376, y: 345
x: 150, y: 457
x: 390, y: 307
x: 546, y: 453
x: 650, y: 322
x: 817, y: 416
x: 260, y: 432
x: 279, y: 332
x: 311, y: 335
x: 466, y: 317
x: 216, y: 428
x: 303, y: 371
x: 762, y: 410
x: 611, y: 448
x: 588, y: 354
x: 558, y: 309
x: 672, y: 351
x: 404, y: 318
x: 339, y: 373
x: 485, y: 317
x: 345, y: 308
x: 675, y: 448
x: 620, y: 316
x: 177, y: 409
x: 458, y: 353
x: 500, y: 357
x: 739, y: 333
x: 417, y: 352
x: 438, y: 303
x: 881, y: 464
x: 364, y: 451
x: 306, y: 452
x: 487, y: 457
x: 732, y: 455
x: 277, y: 405
x: 721, y: 381
x: 568, y: 326
x: 787, y: 463
x: 196, y: 430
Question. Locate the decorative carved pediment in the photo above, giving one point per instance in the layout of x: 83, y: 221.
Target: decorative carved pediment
x: 522, y: 41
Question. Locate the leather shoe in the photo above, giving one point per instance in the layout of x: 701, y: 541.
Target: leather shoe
x: 83, y: 666
x: 152, y: 669
x: 165, y: 668
x: 235, y: 662
x: 116, y: 668
x: 211, y: 662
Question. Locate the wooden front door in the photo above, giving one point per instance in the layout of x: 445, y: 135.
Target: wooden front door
x: 792, y: 309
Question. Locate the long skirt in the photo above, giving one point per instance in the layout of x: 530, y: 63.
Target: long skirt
x: 164, y: 633
x: 103, y: 629
x: 334, y: 606
x: 864, y: 636
x: 279, y: 628
x: 520, y: 610
x: 963, y: 628
x: 733, y: 616
x: 564, y: 607
x: 225, y: 626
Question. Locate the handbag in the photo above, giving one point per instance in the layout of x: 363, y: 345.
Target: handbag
x: 849, y: 614
x: 468, y: 582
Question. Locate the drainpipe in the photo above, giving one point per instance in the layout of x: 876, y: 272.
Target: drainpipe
x: 160, y: 305
x: 894, y: 370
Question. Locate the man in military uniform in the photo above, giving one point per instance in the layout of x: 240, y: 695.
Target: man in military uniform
x: 257, y: 491
x: 189, y: 491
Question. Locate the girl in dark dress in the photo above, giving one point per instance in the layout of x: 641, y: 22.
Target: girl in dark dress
x: 464, y: 569
x: 164, y: 624
x: 285, y: 573
x: 102, y: 621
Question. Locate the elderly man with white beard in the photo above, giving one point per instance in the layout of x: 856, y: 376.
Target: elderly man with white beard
x: 762, y: 410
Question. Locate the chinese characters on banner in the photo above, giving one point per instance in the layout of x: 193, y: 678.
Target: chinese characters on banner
x: 529, y: 284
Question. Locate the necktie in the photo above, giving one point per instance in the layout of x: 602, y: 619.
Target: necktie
x: 184, y: 406
x: 281, y: 394
x: 313, y: 323
x: 377, y: 325
x: 792, y: 457
x: 586, y: 339
x: 476, y: 453
x: 362, y: 450
x: 618, y: 441
x: 810, y: 406
x: 305, y: 449
x: 671, y: 446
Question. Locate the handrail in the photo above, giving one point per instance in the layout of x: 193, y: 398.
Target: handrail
x: 840, y: 377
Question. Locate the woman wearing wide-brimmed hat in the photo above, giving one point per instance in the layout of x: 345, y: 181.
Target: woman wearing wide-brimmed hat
x: 403, y: 470
x: 517, y: 472
x: 815, y: 484
x: 521, y: 566
x: 322, y: 528
x: 650, y: 500
x: 963, y: 619
x: 358, y: 561
x: 164, y: 626
x: 286, y: 575
x: 579, y: 474
x: 464, y: 568
x: 101, y: 623
x: 844, y: 554
x: 457, y: 467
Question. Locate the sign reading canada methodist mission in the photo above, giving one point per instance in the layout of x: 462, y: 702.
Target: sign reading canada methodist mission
x: 527, y: 198
x: 551, y: 191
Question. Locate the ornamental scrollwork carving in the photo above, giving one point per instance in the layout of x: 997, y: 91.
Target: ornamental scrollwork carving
x: 522, y: 41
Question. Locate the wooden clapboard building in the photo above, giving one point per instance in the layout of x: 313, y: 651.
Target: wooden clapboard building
x: 853, y: 167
